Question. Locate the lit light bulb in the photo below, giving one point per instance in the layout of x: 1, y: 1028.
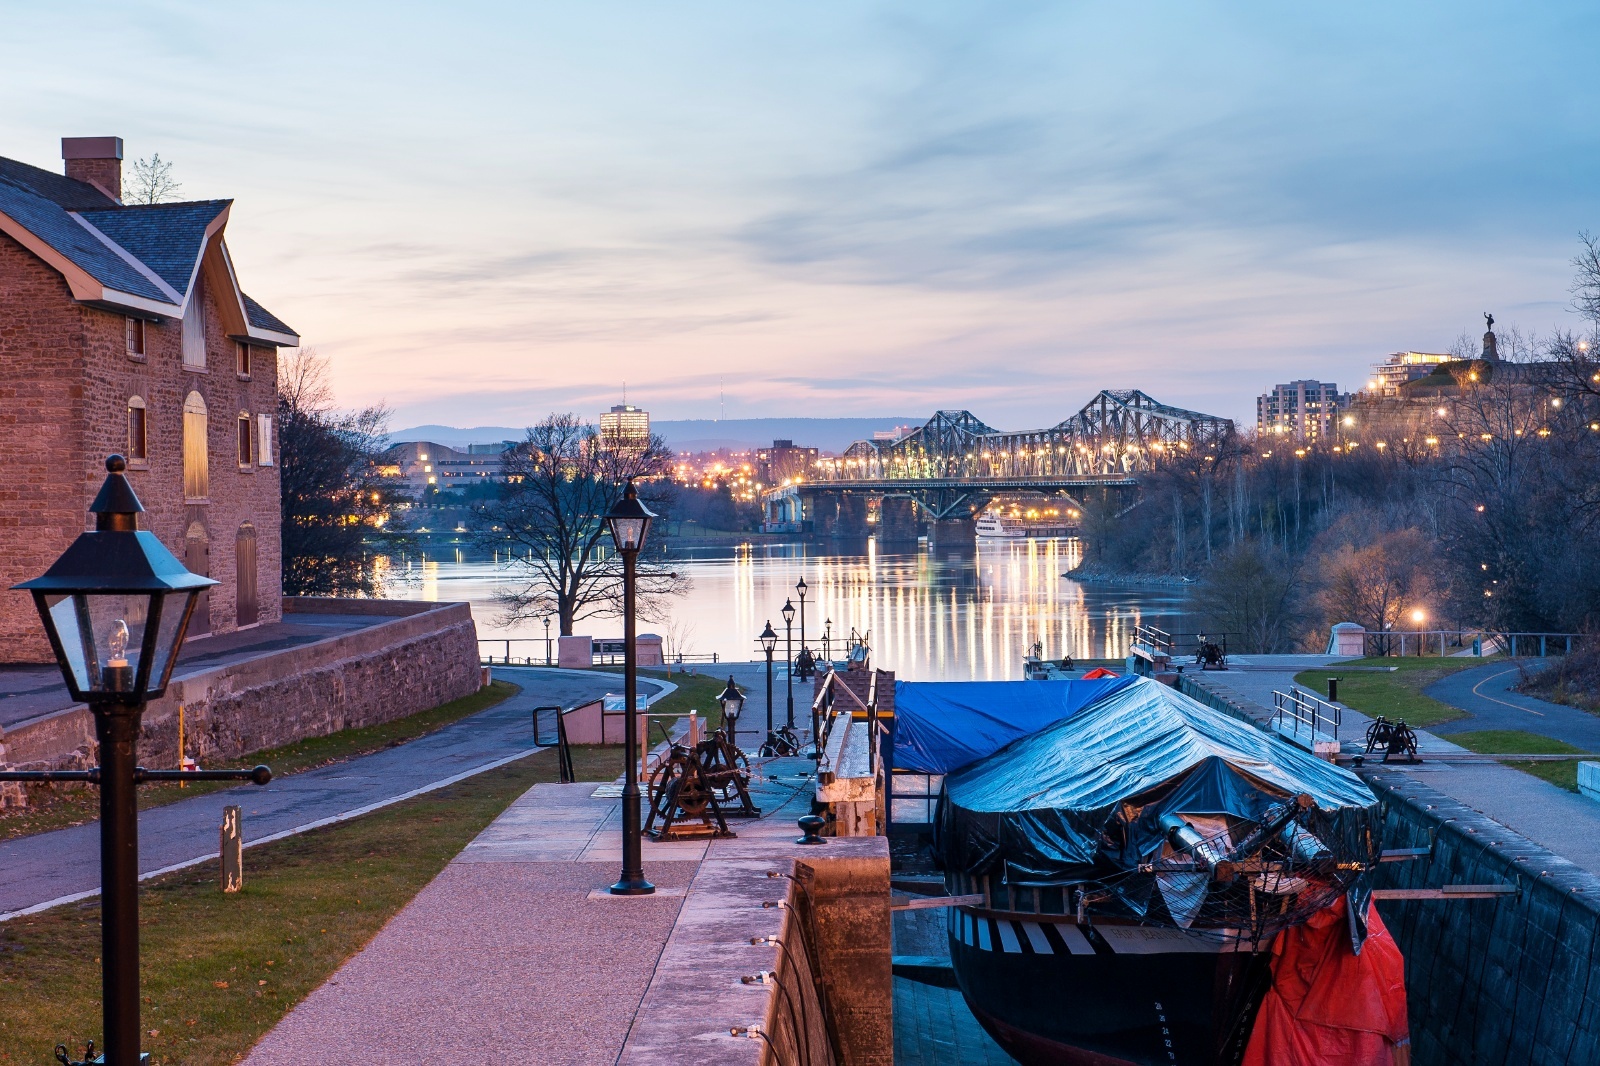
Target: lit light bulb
x: 118, y: 643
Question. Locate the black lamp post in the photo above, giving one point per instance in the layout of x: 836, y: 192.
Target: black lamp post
x: 732, y: 701
x: 788, y: 658
x: 802, y: 588
x: 115, y: 606
x: 769, y: 642
x: 806, y: 664
x: 629, y: 522
x: 827, y: 642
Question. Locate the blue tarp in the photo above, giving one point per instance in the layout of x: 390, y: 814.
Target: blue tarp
x: 942, y: 726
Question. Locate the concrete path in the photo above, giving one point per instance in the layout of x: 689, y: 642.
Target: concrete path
x: 516, y: 952
x: 1486, y: 694
x: 50, y: 868
x: 1564, y: 822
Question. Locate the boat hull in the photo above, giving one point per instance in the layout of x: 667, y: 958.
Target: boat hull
x: 1060, y: 994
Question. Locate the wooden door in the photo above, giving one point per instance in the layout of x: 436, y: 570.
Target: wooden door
x: 245, y: 576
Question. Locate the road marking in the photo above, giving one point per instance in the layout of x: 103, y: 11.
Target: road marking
x: 332, y: 819
x: 1502, y: 703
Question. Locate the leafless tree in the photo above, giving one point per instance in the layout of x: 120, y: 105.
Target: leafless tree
x: 560, y: 482
x: 335, y: 500
x: 151, y: 182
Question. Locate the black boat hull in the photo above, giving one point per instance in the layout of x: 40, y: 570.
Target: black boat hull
x: 1060, y: 994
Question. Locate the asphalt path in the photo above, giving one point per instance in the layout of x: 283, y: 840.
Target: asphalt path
x: 59, y: 866
x: 1486, y: 694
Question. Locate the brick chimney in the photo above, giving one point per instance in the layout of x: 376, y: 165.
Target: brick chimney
x: 96, y: 161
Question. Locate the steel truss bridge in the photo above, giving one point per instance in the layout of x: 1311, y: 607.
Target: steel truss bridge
x: 947, y: 466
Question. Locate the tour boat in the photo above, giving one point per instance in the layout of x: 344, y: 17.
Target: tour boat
x: 995, y: 524
x: 1126, y: 869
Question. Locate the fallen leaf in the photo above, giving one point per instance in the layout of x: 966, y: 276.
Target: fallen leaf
x: 219, y: 984
x: 260, y: 982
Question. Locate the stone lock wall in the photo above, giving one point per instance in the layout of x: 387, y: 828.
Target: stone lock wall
x: 1490, y: 982
x: 425, y: 656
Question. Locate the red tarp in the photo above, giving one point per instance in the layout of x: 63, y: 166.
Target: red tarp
x: 1329, y: 1006
x: 1099, y: 672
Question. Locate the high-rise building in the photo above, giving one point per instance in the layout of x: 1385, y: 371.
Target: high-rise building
x: 625, y: 426
x: 1305, y: 410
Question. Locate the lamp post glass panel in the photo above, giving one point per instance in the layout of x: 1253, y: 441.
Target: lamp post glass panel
x: 115, y: 606
x: 629, y: 523
x: 732, y: 701
x: 788, y: 660
x: 769, y: 642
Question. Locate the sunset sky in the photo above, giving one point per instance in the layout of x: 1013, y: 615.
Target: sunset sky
x: 486, y: 211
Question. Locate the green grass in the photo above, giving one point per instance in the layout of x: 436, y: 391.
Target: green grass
x: 1396, y: 694
x: 1562, y: 773
x: 220, y: 970
x: 59, y: 806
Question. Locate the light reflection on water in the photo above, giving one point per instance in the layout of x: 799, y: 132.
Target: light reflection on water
x: 956, y: 614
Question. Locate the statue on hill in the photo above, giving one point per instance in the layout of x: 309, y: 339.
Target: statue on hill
x: 1491, y: 351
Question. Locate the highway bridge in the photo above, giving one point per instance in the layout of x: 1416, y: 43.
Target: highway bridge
x: 951, y: 468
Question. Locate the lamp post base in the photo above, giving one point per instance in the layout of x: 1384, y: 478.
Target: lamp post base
x: 641, y: 887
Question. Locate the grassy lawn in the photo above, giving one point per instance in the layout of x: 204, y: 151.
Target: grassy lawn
x: 59, y: 806
x: 220, y: 970
x: 1396, y: 694
x: 1519, y: 742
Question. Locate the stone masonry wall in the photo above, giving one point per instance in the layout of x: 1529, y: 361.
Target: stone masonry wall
x: 41, y: 437
x: 373, y: 675
x: 1495, y: 981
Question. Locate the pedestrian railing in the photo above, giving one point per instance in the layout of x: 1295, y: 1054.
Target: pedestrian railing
x: 1298, y: 713
x: 555, y: 722
x: 1443, y: 642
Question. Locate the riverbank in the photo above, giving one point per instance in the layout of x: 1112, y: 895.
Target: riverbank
x: 1087, y: 575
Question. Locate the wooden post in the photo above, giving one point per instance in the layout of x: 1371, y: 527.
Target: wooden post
x: 232, y: 849
x: 181, y: 784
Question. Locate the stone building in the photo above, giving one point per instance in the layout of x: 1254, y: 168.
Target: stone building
x: 123, y: 329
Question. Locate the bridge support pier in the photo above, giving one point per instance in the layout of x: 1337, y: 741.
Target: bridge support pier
x: 954, y: 534
x: 897, y: 520
x: 851, y: 517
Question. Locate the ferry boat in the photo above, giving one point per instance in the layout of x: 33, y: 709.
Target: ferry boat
x: 1126, y: 870
x: 994, y: 524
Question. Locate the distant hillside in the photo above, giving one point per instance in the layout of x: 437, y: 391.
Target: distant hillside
x: 697, y: 434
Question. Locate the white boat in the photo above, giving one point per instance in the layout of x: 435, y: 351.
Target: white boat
x: 994, y: 524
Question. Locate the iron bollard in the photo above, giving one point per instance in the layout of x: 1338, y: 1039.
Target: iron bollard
x: 1333, y: 690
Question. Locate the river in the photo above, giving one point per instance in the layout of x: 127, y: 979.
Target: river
x: 967, y: 615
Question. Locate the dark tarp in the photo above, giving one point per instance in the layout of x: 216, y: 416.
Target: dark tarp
x: 943, y: 726
x: 1081, y: 799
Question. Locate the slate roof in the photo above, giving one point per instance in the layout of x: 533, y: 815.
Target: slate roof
x: 166, y: 239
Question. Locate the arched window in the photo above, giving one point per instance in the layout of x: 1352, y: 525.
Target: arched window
x: 138, y: 435
x: 196, y: 478
x: 197, y: 560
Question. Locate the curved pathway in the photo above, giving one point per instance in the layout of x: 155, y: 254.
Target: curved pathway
x: 1487, y: 695
x: 48, y: 869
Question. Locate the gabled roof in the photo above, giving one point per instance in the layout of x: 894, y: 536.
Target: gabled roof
x: 135, y: 258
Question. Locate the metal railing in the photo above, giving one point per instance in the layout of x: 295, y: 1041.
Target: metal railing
x: 1383, y: 643
x: 487, y: 646
x: 1306, y: 711
x: 558, y: 741
x: 1158, y: 640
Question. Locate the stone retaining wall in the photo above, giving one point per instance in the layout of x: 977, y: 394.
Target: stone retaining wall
x: 425, y: 656
x: 1491, y: 981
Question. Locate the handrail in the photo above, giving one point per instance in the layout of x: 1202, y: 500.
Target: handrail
x: 1155, y: 639
x: 563, y: 748
x: 1305, y: 709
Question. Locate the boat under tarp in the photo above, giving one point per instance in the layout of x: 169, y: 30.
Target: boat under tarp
x: 1136, y: 859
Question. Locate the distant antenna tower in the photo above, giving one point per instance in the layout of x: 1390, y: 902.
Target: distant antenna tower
x: 722, y: 404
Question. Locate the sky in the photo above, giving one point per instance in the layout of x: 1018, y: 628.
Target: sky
x: 483, y: 212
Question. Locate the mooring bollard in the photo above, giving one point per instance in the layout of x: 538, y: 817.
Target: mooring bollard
x: 232, y: 849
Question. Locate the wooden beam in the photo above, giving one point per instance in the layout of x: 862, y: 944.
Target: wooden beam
x: 923, y: 903
x: 1446, y: 892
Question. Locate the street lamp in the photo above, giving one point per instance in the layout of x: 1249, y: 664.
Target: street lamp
x: 115, y: 606
x: 732, y: 701
x: 788, y: 658
x: 827, y: 642
x: 769, y: 641
x: 629, y: 522
x: 547, y: 640
x: 807, y: 663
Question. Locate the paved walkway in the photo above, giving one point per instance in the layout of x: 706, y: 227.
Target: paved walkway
x: 515, y: 951
x: 1486, y: 694
x: 1564, y: 822
x: 51, y: 868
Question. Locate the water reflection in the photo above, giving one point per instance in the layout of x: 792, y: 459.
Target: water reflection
x: 953, y: 614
